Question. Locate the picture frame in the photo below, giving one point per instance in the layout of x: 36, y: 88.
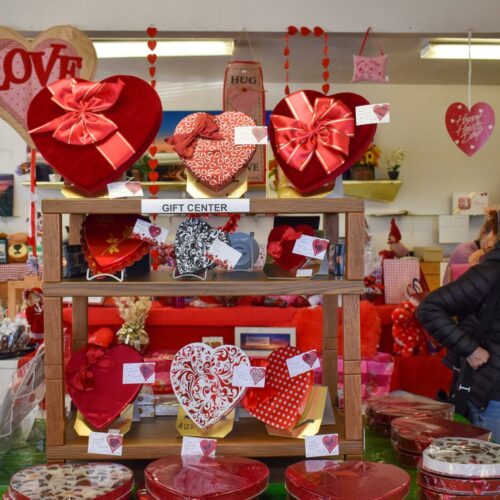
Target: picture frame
x: 4, y: 246
x: 262, y: 341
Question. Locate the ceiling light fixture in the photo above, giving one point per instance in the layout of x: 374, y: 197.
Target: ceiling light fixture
x: 110, y: 49
x: 457, y: 48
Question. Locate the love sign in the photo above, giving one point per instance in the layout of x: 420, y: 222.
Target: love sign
x: 26, y: 66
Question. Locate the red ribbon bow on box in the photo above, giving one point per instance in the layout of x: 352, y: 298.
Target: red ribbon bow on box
x: 83, y: 378
x: 322, y: 129
x: 204, y: 127
x: 275, y: 248
x: 84, y: 124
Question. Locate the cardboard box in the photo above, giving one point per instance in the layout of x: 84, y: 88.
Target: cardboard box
x: 429, y: 254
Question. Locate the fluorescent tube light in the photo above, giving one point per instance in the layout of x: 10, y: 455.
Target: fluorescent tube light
x: 107, y: 49
x: 459, y: 49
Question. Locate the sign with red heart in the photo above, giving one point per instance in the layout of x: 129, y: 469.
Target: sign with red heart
x: 470, y: 129
x: 28, y: 65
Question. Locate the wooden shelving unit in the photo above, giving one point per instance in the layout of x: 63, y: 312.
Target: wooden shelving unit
x: 148, y: 440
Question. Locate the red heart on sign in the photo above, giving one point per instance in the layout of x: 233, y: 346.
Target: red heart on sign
x: 381, y: 110
x: 257, y: 374
x: 470, y: 129
x: 319, y: 246
x: 208, y: 446
x: 154, y: 231
x: 147, y: 369
x: 133, y: 186
x: 330, y: 441
x: 115, y: 441
x: 259, y: 133
x: 310, y: 358
x: 94, y: 382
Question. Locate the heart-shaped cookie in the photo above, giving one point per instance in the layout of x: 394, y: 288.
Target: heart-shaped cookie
x: 123, y: 115
x: 216, y: 162
x: 283, y: 399
x: 107, y: 245
x: 319, y: 172
x: 29, y: 65
x: 202, y: 381
x: 94, y: 381
x: 192, y: 241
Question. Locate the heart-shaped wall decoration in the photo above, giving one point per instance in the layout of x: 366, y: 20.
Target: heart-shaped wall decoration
x: 94, y: 381
x: 202, y: 381
x: 212, y: 157
x: 314, y: 146
x: 283, y: 399
x: 192, y: 241
x: 29, y: 65
x: 470, y: 129
x: 107, y: 243
x: 92, y: 132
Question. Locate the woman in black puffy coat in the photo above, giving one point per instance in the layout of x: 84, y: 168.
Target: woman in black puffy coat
x: 452, y: 314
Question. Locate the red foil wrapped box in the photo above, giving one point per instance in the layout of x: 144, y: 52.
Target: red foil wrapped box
x: 425, y: 494
x: 439, y: 483
x: 205, y: 478
x: 332, y: 480
x: 406, y: 458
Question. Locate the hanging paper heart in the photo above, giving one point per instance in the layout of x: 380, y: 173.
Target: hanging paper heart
x: 94, y: 382
x: 30, y: 65
x: 470, y: 129
x: 322, y: 168
x: 192, y: 241
x: 122, y: 115
x: 206, y: 145
x: 281, y: 402
x: 107, y: 245
x: 202, y: 381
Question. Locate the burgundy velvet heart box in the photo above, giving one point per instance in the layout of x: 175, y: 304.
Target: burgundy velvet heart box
x: 205, y: 478
x: 84, y: 481
x: 92, y: 132
x: 329, y: 479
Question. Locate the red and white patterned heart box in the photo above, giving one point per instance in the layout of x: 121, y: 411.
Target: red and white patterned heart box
x: 206, y: 145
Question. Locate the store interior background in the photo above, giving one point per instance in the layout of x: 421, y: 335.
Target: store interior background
x: 419, y: 91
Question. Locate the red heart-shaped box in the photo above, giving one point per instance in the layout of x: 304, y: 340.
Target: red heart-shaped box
x: 94, y: 381
x: 107, y: 243
x: 314, y: 176
x: 137, y: 113
x: 285, y: 258
x: 281, y: 402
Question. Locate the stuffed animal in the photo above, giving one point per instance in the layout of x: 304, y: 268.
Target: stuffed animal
x: 18, y: 248
x: 408, y: 334
x: 396, y: 248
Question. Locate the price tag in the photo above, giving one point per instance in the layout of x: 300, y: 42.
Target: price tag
x: 303, y: 363
x: 310, y: 246
x: 249, y: 376
x: 321, y: 445
x: 138, y: 373
x: 105, y: 443
x: 373, y: 113
x: 204, y: 447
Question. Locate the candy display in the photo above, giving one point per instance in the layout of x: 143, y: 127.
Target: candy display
x: 85, y: 481
x: 328, y: 479
x: 206, y: 478
x: 14, y: 335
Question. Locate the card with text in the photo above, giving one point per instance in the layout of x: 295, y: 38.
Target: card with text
x: 151, y: 233
x: 303, y: 363
x: 105, y: 443
x: 321, y: 445
x: 138, y: 373
x: 125, y: 189
x: 222, y: 254
x: 204, y: 447
x: 250, y: 135
x: 373, y: 113
x: 311, y: 246
x: 249, y: 376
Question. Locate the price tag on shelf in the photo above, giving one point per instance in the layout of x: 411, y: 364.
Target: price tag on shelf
x: 138, y: 373
x: 204, y: 447
x: 322, y: 445
x: 303, y: 363
x: 105, y: 443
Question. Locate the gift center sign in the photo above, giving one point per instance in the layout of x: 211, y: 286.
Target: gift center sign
x: 195, y: 206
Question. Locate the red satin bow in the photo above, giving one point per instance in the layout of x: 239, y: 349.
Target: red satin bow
x: 83, y: 379
x: 323, y: 129
x: 204, y: 126
x: 275, y: 248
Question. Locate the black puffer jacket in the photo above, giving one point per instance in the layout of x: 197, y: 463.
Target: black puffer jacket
x: 465, y: 299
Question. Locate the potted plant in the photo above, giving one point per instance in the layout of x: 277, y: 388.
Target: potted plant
x: 364, y: 170
x: 140, y: 168
x: 394, y: 162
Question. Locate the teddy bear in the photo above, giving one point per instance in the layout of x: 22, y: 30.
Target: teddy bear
x: 17, y: 247
x: 408, y: 334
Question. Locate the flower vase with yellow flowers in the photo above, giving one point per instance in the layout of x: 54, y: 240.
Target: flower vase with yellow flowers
x: 364, y: 170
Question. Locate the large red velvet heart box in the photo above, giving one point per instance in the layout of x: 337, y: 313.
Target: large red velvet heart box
x: 283, y: 399
x: 98, y: 481
x: 94, y: 381
x: 314, y: 138
x: 322, y: 479
x: 207, y: 147
x: 107, y: 243
x: 102, y: 130
x: 206, y: 478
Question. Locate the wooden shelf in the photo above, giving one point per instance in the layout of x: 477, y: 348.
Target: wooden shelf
x: 383, y: 191
x: 161, y: 283
x: 156, y: 437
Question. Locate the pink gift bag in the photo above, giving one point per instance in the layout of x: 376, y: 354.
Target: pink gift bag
x: 370, y: 69
x: 398, y: 274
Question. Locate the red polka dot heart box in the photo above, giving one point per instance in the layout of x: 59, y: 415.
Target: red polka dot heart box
x: 283, y: 399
